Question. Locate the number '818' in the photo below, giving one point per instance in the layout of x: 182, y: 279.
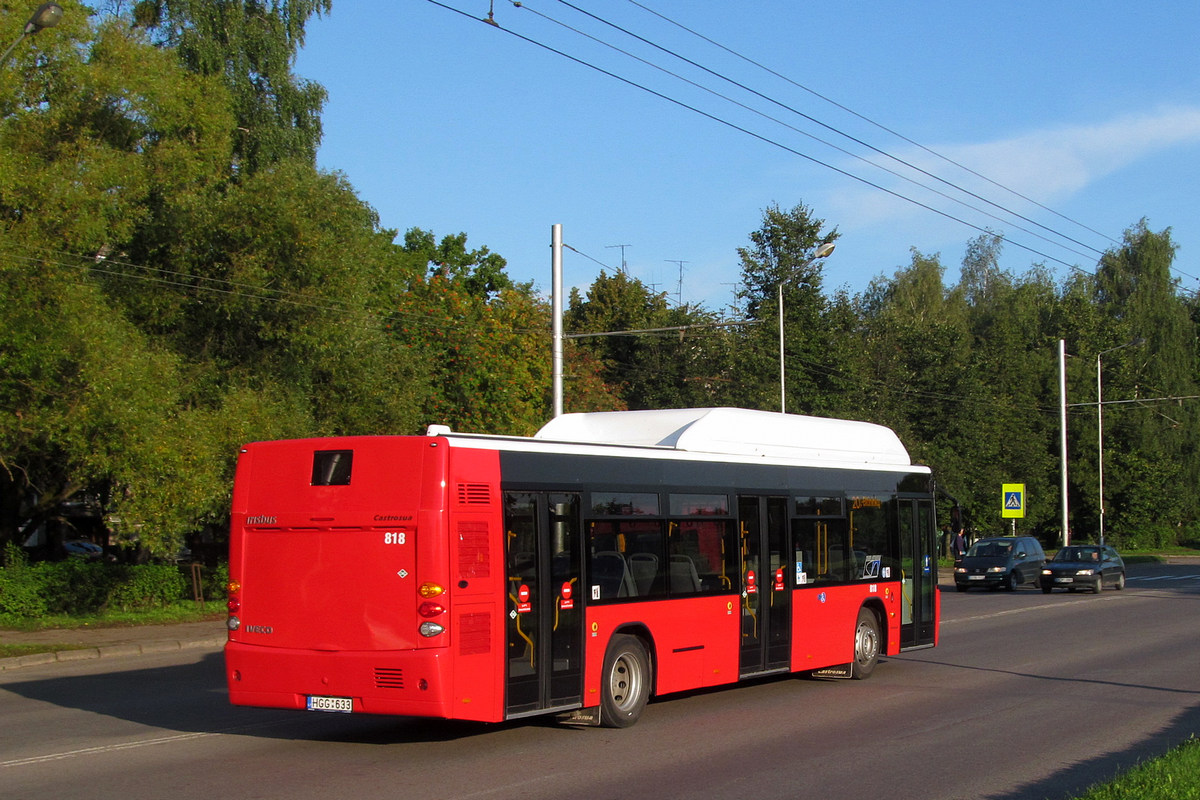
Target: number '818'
x: 393, y: 537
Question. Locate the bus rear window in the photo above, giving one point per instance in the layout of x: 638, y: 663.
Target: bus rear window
x: 332, y: 467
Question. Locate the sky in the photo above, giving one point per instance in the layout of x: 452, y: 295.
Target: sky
x: 1073, y: 122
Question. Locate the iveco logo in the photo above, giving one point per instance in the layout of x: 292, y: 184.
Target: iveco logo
x: 261, y: 520
x: 259, y: 629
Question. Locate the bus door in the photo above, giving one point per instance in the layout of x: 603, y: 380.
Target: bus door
x: 766, y: 587
x: 918, y: 562
x: 544, y: 611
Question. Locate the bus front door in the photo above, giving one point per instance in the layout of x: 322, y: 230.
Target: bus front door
x: 766, y: 585
x: 544, y: 661
x: 918, y: 562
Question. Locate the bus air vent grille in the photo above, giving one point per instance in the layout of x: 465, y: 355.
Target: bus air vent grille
x: 389, y: 678
x: 474, y: 557
x: 474, y: 494
x: 475, y: 634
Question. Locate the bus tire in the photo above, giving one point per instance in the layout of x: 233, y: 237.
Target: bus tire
x: 625, y: 682
x: 867, y: 644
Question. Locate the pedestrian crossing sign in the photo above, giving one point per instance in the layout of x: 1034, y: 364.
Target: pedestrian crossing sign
x: 1012, y: 501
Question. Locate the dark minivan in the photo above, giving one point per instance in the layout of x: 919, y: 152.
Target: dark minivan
x: 1001, y: 561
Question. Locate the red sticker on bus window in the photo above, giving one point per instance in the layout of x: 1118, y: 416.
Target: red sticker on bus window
x: 779, y: 587
x: 523, y: 605
x: 566, y: 604
x: 751, y: 582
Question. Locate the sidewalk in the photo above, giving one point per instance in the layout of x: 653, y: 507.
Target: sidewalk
x: 78, y: 644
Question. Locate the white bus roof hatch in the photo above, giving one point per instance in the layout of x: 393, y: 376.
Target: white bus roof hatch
x: 735, y: 431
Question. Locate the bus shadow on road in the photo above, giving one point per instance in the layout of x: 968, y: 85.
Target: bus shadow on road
x: 192, y: 698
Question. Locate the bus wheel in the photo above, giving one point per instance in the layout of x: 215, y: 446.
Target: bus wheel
x: 625, y: 682
x: 866, y: 645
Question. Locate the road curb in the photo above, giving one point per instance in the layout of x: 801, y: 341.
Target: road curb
x: 122, y: 650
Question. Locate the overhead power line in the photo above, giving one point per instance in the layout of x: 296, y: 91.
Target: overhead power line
x: 828, y: 127
x: 870, y: 121
x: 762, y: 138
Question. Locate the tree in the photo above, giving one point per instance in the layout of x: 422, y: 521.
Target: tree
x: 484, y: 341
x: 158, y: 313
x: 1151, y: 458
x: 251, y: 45
x: 782, y: 253
x: 670, y: 357
x: 87, y: 142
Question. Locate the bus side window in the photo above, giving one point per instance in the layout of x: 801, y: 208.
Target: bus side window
x: 822, y: 550
x: 625, y: 559
x: 702, y: 554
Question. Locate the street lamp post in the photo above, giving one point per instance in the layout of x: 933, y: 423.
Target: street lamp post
x: 1100, y: 427
x: 47, y: 15
x: 822, y: 251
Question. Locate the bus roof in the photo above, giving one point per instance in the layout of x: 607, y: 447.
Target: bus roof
x: 735, y: 431
x: 726, y: 434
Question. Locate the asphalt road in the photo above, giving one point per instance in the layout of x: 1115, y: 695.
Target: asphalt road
x: 1028, y: 696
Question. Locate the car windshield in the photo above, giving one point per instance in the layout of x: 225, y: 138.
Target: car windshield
x: 1078, y: 554
x: 990, y: 549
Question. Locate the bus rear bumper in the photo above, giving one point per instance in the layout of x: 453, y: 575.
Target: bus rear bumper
x: 407, y: 682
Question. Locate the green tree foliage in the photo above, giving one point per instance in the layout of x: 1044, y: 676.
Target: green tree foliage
x: 251, y: 46
x: 782, y: 255
x: 660, y: 356
x: 483, y: 340
x: 158, y: 312
x: 101, y: 127
x: 178, y: 278
x: 1147, y: 444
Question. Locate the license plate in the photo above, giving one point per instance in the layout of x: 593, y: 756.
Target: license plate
x: 974, y: 577
x: 340, y: 705
x: 1064, y: 580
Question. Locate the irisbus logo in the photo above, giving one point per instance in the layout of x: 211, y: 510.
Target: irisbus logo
x: 261, y: 520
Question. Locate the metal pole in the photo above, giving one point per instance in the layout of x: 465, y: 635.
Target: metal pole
x: 1062, y: 425
x: 1100, y: 445
x: 557, y: 314
x: 782, y: 384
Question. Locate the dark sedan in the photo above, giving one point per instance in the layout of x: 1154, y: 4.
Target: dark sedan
x: 1084, y: 567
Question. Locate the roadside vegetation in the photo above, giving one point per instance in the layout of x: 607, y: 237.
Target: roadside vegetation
x: 74, y: 593
x: 1174, y: 776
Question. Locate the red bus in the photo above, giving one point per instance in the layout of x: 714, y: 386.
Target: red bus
x: 610, y: 558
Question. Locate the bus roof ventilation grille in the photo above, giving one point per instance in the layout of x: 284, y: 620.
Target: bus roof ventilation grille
x: 474, y: 494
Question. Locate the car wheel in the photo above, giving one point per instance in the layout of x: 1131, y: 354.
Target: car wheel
x: 962, y: 587
x: 1010, y: 581
x: 867, y: 643
x: 625, y: 682
x: 1045, y: 589
x: 1098, y: 586
x: 1120, y: 584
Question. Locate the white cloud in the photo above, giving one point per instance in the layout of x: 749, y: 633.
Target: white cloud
x: 1048, y: 166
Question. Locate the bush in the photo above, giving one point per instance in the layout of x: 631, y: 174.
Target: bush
x: 21, y: 589
x: 74, y: 586
x: 77, y: 588
x: 1151, y: 537
x: 148, y: 586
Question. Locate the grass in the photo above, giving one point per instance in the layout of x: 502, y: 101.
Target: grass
x: 183, y: 611
x: 1174, y: 776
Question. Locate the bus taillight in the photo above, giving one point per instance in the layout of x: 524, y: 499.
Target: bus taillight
x: 428, y: 609
x: 234, y: 604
